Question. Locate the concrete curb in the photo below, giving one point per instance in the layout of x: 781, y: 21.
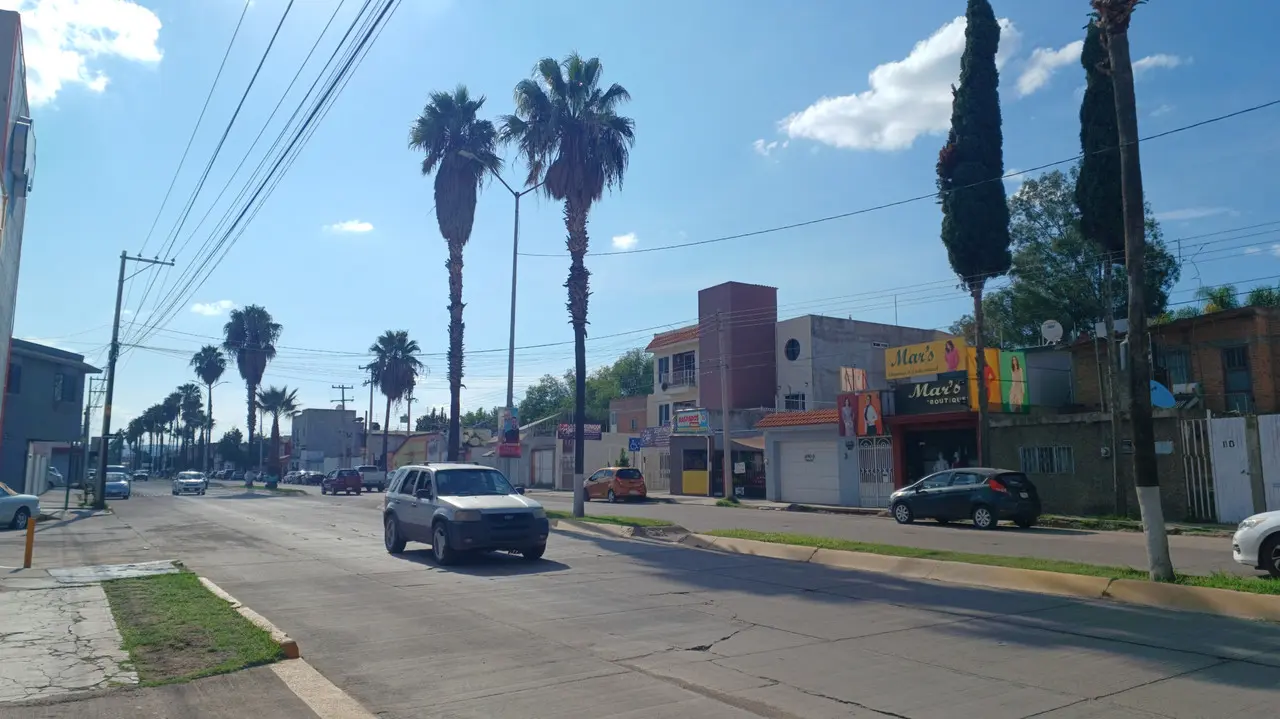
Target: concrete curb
x: 290, y: 647
x: 321, y: 695
x: 1204, y: 600
x: 612, y: 530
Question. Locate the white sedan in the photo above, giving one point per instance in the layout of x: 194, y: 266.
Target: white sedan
x: 17, y: 509
x: 1257, y: 542
x: 189, y: 483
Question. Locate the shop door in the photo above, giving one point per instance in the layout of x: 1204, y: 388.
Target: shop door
x: 808, y: 472
x: 875, y: 471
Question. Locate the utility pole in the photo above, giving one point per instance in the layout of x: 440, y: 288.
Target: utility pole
x: 408, y: 413
x: 89, y: 406
x: 727, y: 460
x: 368, y: 428
x: 98, y: 501
x: 342, y: 388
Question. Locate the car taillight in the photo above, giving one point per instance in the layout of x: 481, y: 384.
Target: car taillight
x: 997, y: 486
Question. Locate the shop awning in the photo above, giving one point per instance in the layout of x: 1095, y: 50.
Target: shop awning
x: 750, y: 443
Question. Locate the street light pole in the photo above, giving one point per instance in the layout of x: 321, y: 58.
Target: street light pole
x: 114, y: 354
x: 511, y: 334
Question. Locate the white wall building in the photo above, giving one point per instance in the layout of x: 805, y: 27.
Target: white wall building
x: 675, y: 374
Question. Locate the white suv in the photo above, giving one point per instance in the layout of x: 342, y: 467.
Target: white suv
x: 459, y: 508
x: 1257, y: 542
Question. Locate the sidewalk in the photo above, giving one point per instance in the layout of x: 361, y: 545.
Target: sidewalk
x: 668, y: 498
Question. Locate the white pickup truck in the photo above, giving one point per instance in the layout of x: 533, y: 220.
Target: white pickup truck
x: 372, y: 478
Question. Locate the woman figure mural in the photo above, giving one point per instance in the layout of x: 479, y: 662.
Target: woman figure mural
x: 951, y: 355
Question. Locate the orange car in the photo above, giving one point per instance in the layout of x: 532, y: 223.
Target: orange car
x: 616, y: 484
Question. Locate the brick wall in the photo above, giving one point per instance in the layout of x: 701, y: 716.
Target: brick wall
x: 1088, y: 489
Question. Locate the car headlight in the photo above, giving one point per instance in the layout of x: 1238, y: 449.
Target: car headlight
x: 1250, y: 523
x: 539, y: 513
x: 467, y: 515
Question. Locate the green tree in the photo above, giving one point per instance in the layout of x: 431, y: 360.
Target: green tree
x: 433, y: 421
x: 250, y: 336
x: 1113, y: 17
x: 548, y: 396
x: 394, y: 372
x: 208, y: 363
x: 975, y: 217
x: 1217, y: 299
x: 481, y: 418
x: 1263, y: 296
x: 133, y: 433
x: 461, y: 150
x: 230, y: 447
x: 568, y: 130
x: 192, y: 411
x: 277, y: 402
x: 172, y: 411
x: 1056, y: 272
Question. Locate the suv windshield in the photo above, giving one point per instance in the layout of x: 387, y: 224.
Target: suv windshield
x: 366, y: 468
x: 464, y: 482
x: 190, y: 475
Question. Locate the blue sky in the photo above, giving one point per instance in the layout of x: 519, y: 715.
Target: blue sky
x: 747, y: 117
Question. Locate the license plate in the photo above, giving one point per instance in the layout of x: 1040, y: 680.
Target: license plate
x: 635, y: 491
x: 1022, y: 494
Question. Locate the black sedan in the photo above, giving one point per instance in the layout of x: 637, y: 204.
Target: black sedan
x: 984, y: 495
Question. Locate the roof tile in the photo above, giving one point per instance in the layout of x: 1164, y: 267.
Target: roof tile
x: 800, y: 419
x: 664, y: 339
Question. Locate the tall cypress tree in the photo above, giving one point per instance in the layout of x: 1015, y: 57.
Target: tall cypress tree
x: 1101, y: 204
x: 975, y: 213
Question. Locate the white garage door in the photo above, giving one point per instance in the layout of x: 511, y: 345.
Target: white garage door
x: 808, y: 472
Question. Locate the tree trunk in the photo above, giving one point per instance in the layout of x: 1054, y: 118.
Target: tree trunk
x: 253, y: 410
x: 386, y: 432
x: 980, y: 371
x: 578, y: 284
x: 1114, y: 403
x: 454, y: 265
x: 1115, y: 19
x: 275, y: 446
x: 208, y: 433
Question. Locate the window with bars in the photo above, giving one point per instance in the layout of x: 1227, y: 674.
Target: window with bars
x: 1173, y: 364
x: 1236, y: 380
x: 1047, y: 460
x: 793, y: 403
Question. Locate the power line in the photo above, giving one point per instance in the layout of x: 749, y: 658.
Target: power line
x: 929, y: 196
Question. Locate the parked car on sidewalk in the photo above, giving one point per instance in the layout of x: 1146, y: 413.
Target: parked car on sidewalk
x: 342, y: 480
x: 1256, y: 542
x: 189, y: 483
x: 118, y: 485
x: 615, y: 484
x: 982, y: 494
x: 373, y: 479
x: 17, y: 509
x: 460, y: 508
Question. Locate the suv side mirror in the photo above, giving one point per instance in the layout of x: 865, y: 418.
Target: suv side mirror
x: 424, y: 493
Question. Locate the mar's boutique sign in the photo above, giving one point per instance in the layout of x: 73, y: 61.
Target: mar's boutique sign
x: 926, y: 358
x: 948, y: 393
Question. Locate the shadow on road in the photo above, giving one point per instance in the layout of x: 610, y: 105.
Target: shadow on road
x: 486, y: 564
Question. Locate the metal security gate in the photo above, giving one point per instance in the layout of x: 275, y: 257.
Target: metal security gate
x: 1197, y: 467
x: 1232, y: 489
x: 875, y: 471
x: 1269, y: 444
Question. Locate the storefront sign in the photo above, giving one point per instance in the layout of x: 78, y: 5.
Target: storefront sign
x: 656, y: 436
x: 691, y: 421
x: 589, y: 431
x: 934, y: 357
x: 948, y: 393
x: 1013, y: 388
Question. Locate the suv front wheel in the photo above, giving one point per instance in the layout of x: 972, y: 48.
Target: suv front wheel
x: 391, y: 536
x: 440, y: 549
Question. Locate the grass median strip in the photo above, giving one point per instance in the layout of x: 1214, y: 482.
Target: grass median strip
x: 175, y: 630
x: 609, y: 519
x: 1222, y: 580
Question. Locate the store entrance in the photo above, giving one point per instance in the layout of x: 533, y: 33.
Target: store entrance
x: 934, y: 450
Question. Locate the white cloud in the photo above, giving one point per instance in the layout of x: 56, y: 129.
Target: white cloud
x: 1043, y: 63
x: 764, y: 148
x: 1159, y: 60
x: 63, y: 38
x: 907, y: 98
x: 212, y: 309
x: 1162, y: 110
x: 353, y: 226
x: 1194, y: 213
x: 1251, y: 250
x: 1275, y: 250
x: 625, y: 242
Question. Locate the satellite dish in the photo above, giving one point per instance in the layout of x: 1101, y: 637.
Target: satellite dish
x: 1051, y: 331
x: 1161, y: 396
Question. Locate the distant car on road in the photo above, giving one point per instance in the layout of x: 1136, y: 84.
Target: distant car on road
x: 372, y: 478
x: 615, y: 484
x: 17, y: 509
x: 459, y: 508
x: 55, y: 477
x: 189, y: 483
x: 1256, y: 542
x: 141, y: 476
x: 342, y: 480
x: 118, y: 486
x: 982, y: 494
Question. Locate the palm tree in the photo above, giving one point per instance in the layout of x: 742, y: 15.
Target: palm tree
x: 395, y: 371
x: 277, y: 401
x: 460, y: 150
x: 172, y: 410
x: 209, y: 363
x: 1217, y: 299
x: 133, y: 436
x: 569, y: 132
x: 250, y: 336
x: 191, y: 411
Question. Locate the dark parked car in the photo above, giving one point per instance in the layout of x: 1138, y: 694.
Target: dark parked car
x: 342, y: 480
x: 984, y: 495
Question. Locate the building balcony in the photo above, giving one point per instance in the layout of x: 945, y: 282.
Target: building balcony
x: 678, y: 378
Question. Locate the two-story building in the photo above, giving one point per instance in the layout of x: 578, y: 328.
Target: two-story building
x: 44, y: 405
x: 332, y: 434
x: 17, y: 164
x: 675, y: 374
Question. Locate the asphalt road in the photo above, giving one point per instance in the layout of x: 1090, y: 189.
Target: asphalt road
x: 614, y: 628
